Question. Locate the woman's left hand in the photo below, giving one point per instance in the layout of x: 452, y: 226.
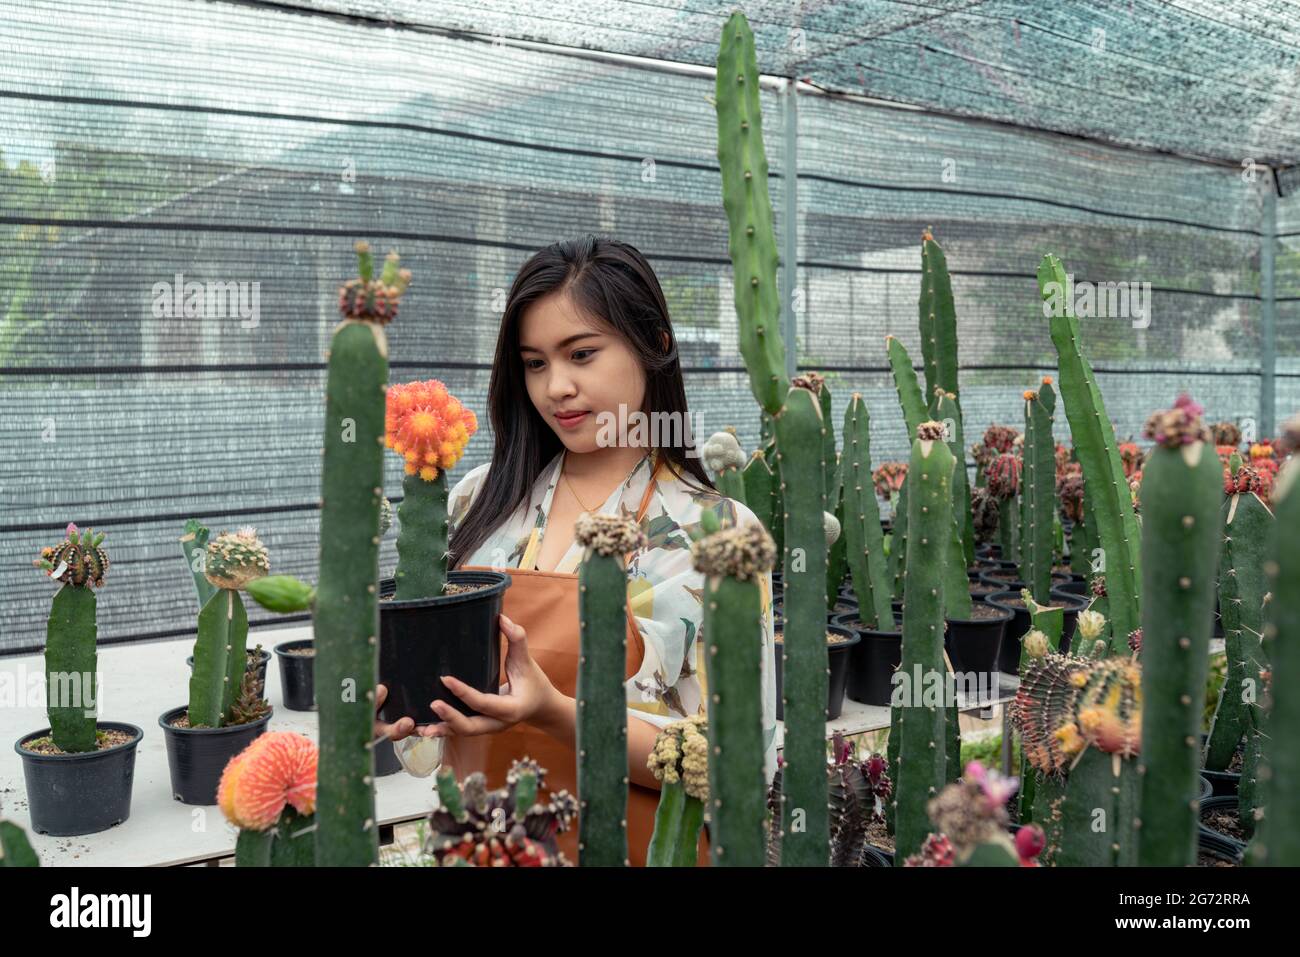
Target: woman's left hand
x: 527, y: 694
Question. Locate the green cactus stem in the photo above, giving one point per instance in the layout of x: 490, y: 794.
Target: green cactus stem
x: 680, y: 762
x: 751, y: 239
x: 282, y: 594
x: 194, y: 543
x: 733, y: 560
x: 1181, y: 529
x: 805, y: 658
x: 601, y: 724
x: 1098, y: 453
x: 760, y: 489
x: 723, y: 456
x: 15, y: 849
x: 1038, y: 491
x: 1247, y: 529
x: 1278, y: 843
x: 346, y: 615
x: 220, y: 659
x: 422, y: 538
x: 956, y: 586
x: 898, y: 545
x: 910, y: 396
x: 921, y: 720
x: 863, y: 539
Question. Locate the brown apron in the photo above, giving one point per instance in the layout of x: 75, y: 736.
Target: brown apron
x: 546, y: 605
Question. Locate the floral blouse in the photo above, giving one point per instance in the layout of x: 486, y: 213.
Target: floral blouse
x: 665, y: 592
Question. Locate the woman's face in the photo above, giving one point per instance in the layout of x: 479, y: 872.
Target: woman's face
x: 570, y: 365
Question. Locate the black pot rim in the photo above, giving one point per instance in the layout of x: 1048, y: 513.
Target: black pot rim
x: 844, y: 630
x: 1011, y: 593
x: 1080, y: 602
x: 1219, y: 802
x: 844, y: 618
x: 266, y: 656
x: 80, y: 755
x: 282, y: 648
x: 497, y: 582
x: 1007, y: 615
x: 228, y: 729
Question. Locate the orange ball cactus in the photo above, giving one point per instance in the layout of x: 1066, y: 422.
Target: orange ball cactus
x: 427, y: 426
x: 278, y: 768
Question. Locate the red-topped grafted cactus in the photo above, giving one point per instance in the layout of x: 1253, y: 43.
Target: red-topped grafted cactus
x: 71, y: 659
x: 970, y: 820
x: 371, y: 299
x: 268, y: 791
x: 429, y: 428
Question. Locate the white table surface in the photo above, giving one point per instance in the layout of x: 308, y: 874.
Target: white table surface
x: 138, y: 683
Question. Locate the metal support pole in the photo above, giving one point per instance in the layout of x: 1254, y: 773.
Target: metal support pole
x: 1268, y: 312
x: 790, y: 225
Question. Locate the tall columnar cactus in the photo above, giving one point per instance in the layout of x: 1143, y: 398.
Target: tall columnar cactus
x: 1098, y: 452
x: 908, y: 387
x: 805, y: 659
x: 864, y: 542
x: 760, y: 489
x: 751, y: 239
x: 1247, y: 530
x: 723, y: 456
x: 1038, y: 491
x: 956, y: 590
x: 71, y: 661
x: 1278, y: 843
x: 347, y: 595
x: 938, y: 321
x: 1181, y: 529
x: 921, y: 712
x: 680, y: 762
x: 268, y: 791
x: 601, y: 724
x: 429, y: 428
x: 733, y: 561
x: 194, y: 544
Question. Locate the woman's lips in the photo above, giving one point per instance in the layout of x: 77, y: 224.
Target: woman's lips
x: 571, y: 421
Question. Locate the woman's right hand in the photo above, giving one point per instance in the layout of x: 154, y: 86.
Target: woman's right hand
x: 403, y: 727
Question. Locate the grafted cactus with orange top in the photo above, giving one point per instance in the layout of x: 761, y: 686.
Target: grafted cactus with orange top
x: 429, y: 428
x: 268, y: 791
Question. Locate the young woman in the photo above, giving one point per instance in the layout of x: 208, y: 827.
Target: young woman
x: 586, y: 341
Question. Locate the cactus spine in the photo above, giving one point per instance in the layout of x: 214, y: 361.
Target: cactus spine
x: 921, y: 753
x: 1094, y: 443
x: 1247, y: 530
x: 733, y: 560
x: 601, y: 725
x: 1038, y: 491
x: 347, y: 595
x: 1181, y: 529
x: 864, y: 542
x: 1278, y: 843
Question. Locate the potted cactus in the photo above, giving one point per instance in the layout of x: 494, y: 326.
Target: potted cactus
x: 268, y: 791
x: 432, y: 623
x: 226, y: 710
x: 78, y: 770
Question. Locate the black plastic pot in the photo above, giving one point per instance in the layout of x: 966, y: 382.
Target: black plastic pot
x: 1216, y: 845
x: 1009, y: 655
x: 1073, y: 587
x: 973, y: 647
x: 386, y: 762
x: 261, y: 665
x: 1207, y: 789
x: 73, y: 794
x: 457, y: 635
x: 1004, y: 577
x: 872, y: 856
x: 839, y: 655
x: 297, y: 682
x: 1223, y: 783
x: 197, y: 756
x: 872, y: 661
x: 1225, y: 803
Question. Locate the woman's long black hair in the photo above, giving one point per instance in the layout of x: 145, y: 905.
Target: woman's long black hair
x: 611, y: 282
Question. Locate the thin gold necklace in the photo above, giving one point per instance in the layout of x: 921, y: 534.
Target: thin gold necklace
x: 574, y: 493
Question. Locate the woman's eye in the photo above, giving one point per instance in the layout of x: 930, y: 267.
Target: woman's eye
x: 528, y: 364
x: 583, y: 352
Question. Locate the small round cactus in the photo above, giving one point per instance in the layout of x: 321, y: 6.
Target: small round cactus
x: 234, y: 559
x: 77, y: 560
x: 722, y: 451
x: 278, y: 768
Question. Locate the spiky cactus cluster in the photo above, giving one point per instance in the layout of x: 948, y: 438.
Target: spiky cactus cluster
x: 1069, y: 493
x: 984, y: 513
x: 77, y: 560
x: 370, y: 299
x: 680, y: 762
x: 888, y: 479
x: 1178, y: 426
x: 1226, y: 433
x: 970, y: 820
x: 233, y: 559
x: 997, y: 440
x: 1002, y: 477
x: 508, y: 827
x: 743, y: 552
